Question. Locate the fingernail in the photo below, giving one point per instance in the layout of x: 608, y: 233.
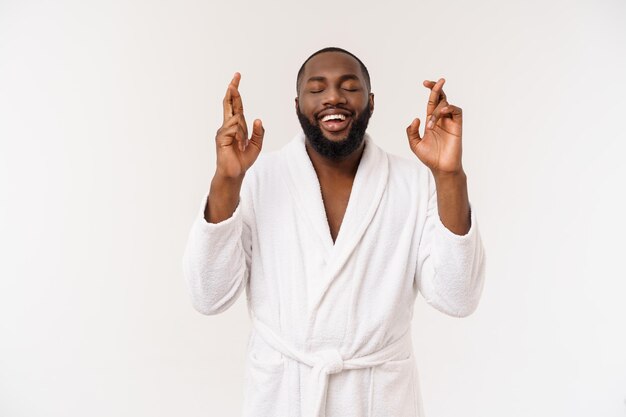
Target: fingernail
x: 431, y: 123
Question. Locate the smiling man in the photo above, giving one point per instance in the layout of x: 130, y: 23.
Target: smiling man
x: 333, y: 238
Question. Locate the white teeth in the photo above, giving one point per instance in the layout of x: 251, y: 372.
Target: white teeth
x: 333, y: 117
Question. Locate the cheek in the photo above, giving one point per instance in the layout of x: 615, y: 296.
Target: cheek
x: 307, y: 108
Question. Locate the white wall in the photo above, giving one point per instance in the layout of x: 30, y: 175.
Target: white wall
x: 108, y: 111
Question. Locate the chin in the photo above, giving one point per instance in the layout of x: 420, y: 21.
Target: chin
x: 336, y: 139
x: 338, y: 136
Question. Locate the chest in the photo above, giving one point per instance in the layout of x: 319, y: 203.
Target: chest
x: 335, y: 197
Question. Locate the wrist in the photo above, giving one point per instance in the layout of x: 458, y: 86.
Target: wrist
x: 222, y: 181
x: 449, y: 177
x: 223, y: 198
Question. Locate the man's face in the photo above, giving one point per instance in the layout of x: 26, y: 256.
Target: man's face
x: 333, y: 104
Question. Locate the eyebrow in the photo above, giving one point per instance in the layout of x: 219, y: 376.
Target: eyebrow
x: 342, y: 78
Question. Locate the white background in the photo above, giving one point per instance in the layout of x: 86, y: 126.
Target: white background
x: 108, y: 111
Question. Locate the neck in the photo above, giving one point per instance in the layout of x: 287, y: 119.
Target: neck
x: 345, y: 167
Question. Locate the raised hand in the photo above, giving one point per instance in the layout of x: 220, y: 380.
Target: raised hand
x: 235, y: 151
x: 440, y: 147
x: 235, y: 154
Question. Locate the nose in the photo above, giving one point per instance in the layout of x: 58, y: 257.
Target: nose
x: 334, y: 96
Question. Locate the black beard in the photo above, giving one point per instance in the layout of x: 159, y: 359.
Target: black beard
x: 335, y: 151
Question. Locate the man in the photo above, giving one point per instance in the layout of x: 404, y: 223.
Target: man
x: 333, y: 238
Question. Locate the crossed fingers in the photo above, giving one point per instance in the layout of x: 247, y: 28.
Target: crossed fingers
x: 234, y: 120
x: 436, y: 101
x: 235, y: 128
x: 438, y: 106
x: 232, y: 100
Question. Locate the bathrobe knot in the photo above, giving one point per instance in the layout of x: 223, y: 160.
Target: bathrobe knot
x: 330, y: 361
x: 326, y: 362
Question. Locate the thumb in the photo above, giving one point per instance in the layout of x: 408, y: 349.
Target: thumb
x: 413, y: 132
x: 257, y: 134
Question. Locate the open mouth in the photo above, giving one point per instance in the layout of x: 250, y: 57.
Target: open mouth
x: 335, y: 122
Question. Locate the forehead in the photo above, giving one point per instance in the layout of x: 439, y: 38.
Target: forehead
x: 329, y: 64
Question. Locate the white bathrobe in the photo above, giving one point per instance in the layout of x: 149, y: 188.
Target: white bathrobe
x: 331, y: 329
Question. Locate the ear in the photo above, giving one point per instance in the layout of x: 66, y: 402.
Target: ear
x: 297, y: 104
x: 371, y: 101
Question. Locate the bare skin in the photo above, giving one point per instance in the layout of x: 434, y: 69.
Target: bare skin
x: 336, y: 187
x: 335, y: 80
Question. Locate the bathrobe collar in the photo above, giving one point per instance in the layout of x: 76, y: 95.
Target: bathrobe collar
x: 367, y: 190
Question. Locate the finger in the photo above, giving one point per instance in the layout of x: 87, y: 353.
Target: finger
x: 413, y: 132
x: 233, y: 120
x: 456, y: 113
x: 258, y: 132
x: 237, y: 119
x: 432, y: 120
x: 241, y: 120
x: 434, y: 97
x: 236, y: 79
x: 227, y: 105
x: 443, y: 97
x: 241, y: 138
x: 236, y: 97
x: 226, y: 136
x: 228, y: 98
x: 237, y: 103
x: 430, y: 84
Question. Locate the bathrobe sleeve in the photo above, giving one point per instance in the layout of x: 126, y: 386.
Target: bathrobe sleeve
x: 451, y: 268
x: 216, y: 261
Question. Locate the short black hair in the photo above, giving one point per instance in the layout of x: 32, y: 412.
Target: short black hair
x: 366, y: 74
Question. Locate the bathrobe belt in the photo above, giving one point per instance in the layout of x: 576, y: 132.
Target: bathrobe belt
x: 326, y: 362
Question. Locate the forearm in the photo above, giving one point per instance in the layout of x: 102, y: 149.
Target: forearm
x: 453, y: 202
x: 223, y: 198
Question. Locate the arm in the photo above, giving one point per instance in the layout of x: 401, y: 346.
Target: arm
x: 216, y: 261
x: 451, y: 260
x: 217, y: 257
x: 451, y: 267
